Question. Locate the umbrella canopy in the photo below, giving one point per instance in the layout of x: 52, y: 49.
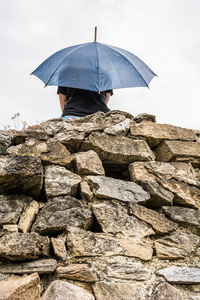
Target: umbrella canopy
x: 94, y: 66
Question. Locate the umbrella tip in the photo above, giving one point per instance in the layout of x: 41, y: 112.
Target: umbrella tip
x: 95, y: 33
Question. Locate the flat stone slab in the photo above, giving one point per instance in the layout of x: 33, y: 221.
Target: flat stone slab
x: 88, y: 163
x: 79, y: 272
x: 183, y: 215
x: 40, y: 266
x: 181, y: 275
x: 110, y: 188
x: 166, y: 291
x: 155, y: 133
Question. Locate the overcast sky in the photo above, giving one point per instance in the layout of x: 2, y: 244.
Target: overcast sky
x: 165, y: 34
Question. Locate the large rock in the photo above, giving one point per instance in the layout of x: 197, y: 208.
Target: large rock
x: 50, y: 152
x: 20, y: 137
x: 114, y: 218
x: 59, y: 182
x: 115, y: 290
x: 117, y: 149
x: 28, y: 216
x: 84, y: 243
x: 5, y: 141
x: 40, y: 266
x: 183, y: 215
x: 110, y: 188
x: 19, y: 246
x: 165, y: 291
x: 60, y: 213
x: 180, y: 244
x: 120, y: 128
x: 181, y: 275
x: 179, y: 151
x: 62, y: 290
x: 88, y: 163
x: 11, y: 206
x: 21, y: 174
x: 71, y: 139
x: 79, y: 272
x: 155, y: 133
x: 158, y: 221
x: 18, y: 288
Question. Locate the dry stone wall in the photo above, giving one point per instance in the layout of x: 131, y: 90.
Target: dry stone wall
x: 102, y: 208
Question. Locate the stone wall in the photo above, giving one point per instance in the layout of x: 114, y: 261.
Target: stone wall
x: 105, y: 207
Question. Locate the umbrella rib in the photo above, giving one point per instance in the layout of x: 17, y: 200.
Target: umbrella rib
x: 98, y: 69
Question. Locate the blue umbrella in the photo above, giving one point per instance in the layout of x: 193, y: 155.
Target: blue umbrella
x: 94, y: 66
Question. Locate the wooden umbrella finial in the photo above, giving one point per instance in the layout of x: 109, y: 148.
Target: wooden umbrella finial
x: 95, y: 34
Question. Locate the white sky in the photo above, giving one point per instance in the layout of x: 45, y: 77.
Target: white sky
x: 165, y: 34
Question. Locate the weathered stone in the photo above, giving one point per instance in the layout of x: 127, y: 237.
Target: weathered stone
x: 62, y: 212
x: 18, y: 288
x: 110, y: 188
x: 113, y: 218
x: 117, y: 149
x: 21, y: 174
x: 165, y: 291
x: 71, y: 139
x: 185, y: 195
x: 120, y: 128
x: 40, y: 266
x: 62, y: 290
x: 155, y: 133
x: 197, y: 133
x: 85, y: 191
x: 114, y: 290
x: 179, y: 151
x: 158, y: 221
x: 19, y: 246
x: 59, y: 248
x: 28, y: 216
x: 84, y: 243
x: 145, y: 117
x: 180, y: 275
x: 10, y: 228
x: 79, y: 272
x: 128, y: 271
x: 180, y: 244
x: 88, y: 163
x: 183, y: 215
x: 5, y: 141
x: 59, y: 181
x: 11, y: 206
x: 21, y: 136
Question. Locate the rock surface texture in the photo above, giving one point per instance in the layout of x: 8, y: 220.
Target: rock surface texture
x: 106, y: 207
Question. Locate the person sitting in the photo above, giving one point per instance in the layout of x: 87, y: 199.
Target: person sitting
x: 76, y: 103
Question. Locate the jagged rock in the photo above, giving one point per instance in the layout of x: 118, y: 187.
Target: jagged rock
x: 84, y: 243
x: 113, y: 218
x: 37, y: 134
x: 88, y: 163
x: 114, y: 290
x: 197, y: 133
x: 9, y: 228
x: 62, y: 290
x: 145, y: 117
x: 117, y: 149
x: 180, y: 244
x: 28, y: 216
x: 26, y: 288
x: 120, y: 128
x: 40, y: 266
x: 59, y: 248
x: 19, y: 246
x: 110, y: 188
x: 5, y: 141
x: 183, y: 215
x: 165, y: 291
x: 179, y: 151
x: 158, y: 221
x: 129, y: 271
x: 21, y: 174
x: 11, y: 206
x: 79, y: 272
x: 50, y: 152
x: 85, y: 191
x: 180, y: 275
x: 71, y: 139
x: 59, y: 181
x: 60, y: 213
x: 155, y: 133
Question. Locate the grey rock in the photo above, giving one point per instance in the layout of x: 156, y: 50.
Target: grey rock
x: 21, y: 174
x: 21, y: 136
x: 145, y: 117
x: 183, y: 215
x: 110, y: 188
x: 165, y: 291
x: 59, y: 181
x: 18, y: 246
x: 71, y: 139
x: 62, y: 290
x: 88, y: 163
x: 60, y: 213
x: 181, y: 275
x: 40, y: 266
x: 120, y: 128
x: 5, y: 141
